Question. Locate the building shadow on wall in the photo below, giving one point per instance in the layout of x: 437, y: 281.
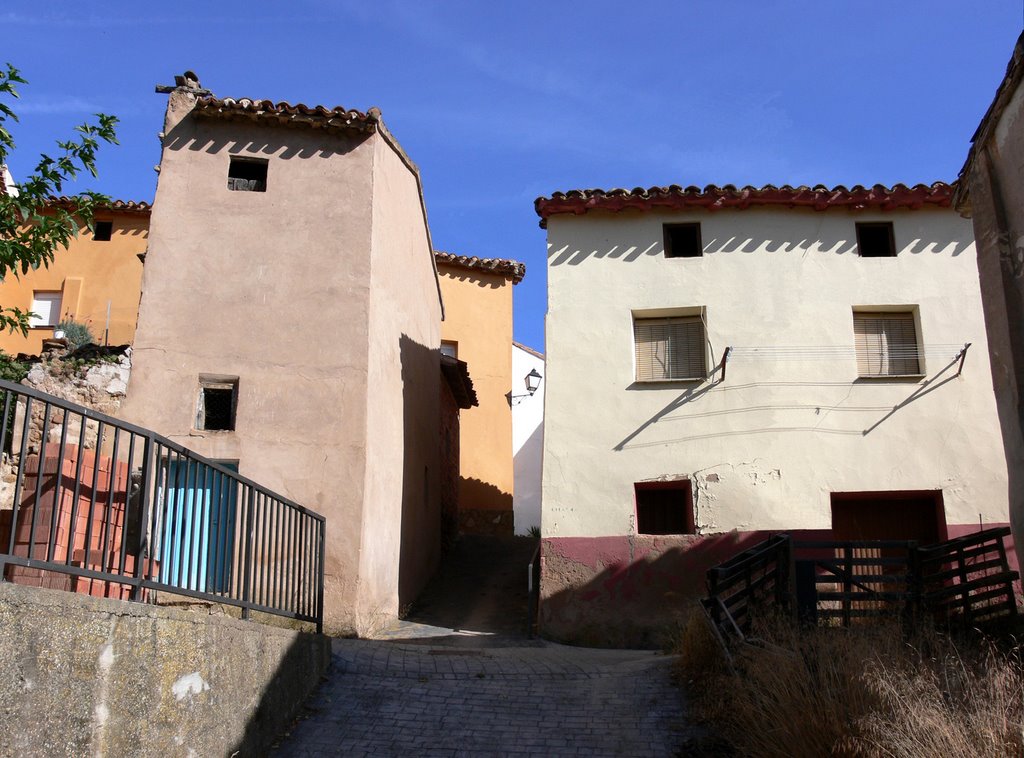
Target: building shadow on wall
x: 639, y: 597
x: 296, y: 678
x: 654, y: 247
x: 481, y: 588
x: 420, y: 546
x: 183, y: 137
x: 483, y: 507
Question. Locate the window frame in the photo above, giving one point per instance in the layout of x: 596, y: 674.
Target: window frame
x: 684, y: 487
x: 236, y: 160
x: 55, y: 314
x: 105, y: 224
x: 216, y: 382
x: 879, y: 313
x: 668, y: 317
x: 862, y: 225
x: 669, y: 248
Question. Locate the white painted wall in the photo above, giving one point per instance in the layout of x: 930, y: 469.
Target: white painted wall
x: 766, y: 447
x: 527, y: 439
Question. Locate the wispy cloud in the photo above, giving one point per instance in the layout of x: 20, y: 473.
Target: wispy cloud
x: 91, y: 20
x: 50, y: 104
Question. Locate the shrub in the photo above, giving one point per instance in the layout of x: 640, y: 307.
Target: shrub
x: 77, y: 334
x: 862, y: 691
x: 11, y: 369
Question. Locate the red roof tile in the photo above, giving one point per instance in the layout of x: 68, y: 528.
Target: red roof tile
x: 510, y: 268
x: 286, y: 114
x: 121, y: 206
x: 714, y: 197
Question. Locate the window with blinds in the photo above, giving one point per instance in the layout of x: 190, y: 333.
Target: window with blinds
x: 669, y: 348
x: 886, y: 344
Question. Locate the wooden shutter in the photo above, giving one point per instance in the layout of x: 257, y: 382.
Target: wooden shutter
x: 886, y: 344
x: 669, y: 348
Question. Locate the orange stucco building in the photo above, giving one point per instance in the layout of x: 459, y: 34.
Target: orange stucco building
x: 99, y: 269
x: 477, y: 329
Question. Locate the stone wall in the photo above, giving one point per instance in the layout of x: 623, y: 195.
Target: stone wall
x: 92, y: 676
x: 96, y: 377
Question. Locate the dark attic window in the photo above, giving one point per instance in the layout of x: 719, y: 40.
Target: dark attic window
x: 876, y: 240
x: 247, y: 175
x: 683, y: 241
x: 102, y: 231
x: 217, y: 403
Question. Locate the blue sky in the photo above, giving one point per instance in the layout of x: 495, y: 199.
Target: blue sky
x: 501, y: 102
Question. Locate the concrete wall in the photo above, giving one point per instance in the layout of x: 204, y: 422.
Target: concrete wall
x: 478, y: 316
x: 88, y: 274
x: 401, y: 528
x: 527, y: 438
x: 997, y: 211
x: 91, y: 676
x: 764, y: 449
x: 271, y: 287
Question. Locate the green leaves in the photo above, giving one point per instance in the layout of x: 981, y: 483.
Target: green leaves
x: 32, y: 229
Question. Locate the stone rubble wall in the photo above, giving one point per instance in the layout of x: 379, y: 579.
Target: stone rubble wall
x: 96, y: 378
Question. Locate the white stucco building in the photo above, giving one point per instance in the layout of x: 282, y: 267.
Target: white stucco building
x: 527, y: 435
x: 845, y: 406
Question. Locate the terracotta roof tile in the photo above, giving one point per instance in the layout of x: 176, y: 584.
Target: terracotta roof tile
x: 714, y: 197
x: 530, y: 350
x: 121, y: 206
x: 506, y: 266
x: 286, y: 114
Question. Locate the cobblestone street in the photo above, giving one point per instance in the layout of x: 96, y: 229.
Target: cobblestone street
x: 417, y: 698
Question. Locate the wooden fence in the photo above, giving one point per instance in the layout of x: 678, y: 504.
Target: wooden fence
x: 966, y: 580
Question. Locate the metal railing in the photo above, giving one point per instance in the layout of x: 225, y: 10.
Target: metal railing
x: 99, y: 506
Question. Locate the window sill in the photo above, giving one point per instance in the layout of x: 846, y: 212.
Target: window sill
x: 639, y: 384
x: 899, y: 378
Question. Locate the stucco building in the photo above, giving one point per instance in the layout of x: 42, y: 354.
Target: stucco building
x: 527, y: 434
x: 724, y: 363
x: 95, y: 281
x: 477, y: 329
x: 290, y: 325
x: 990, y: 191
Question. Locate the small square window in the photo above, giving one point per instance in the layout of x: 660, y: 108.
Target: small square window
x: 218, y: 400
x: 886, y: 344
x: 876, y: 240
x: 668, y: 349
x: 102, y: 231
x: 46, y: 306
x: 247, y: 175
x: 664, y: 508
x: 450, y: 349
x: 683, y: 241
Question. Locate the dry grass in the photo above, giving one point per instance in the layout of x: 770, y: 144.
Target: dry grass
x: 857, y: 692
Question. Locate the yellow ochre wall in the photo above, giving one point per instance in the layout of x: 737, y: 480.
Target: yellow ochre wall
x: 478, y: 316
x: 88, y: 273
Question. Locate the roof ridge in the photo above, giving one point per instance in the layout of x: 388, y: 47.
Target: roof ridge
x: 714, y: 197
x: 512, y: 268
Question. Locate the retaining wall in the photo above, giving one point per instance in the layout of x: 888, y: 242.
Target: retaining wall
x: 91, y: 676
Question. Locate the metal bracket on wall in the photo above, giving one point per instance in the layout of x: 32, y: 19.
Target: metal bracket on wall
x: 962, y: 355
